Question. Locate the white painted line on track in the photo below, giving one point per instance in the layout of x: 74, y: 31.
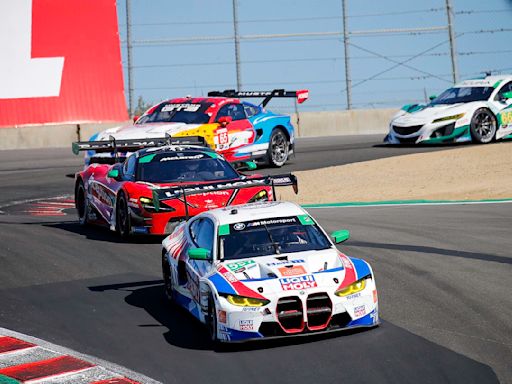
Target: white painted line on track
x: 18, y: 202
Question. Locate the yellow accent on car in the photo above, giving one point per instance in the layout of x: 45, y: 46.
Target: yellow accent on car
x: 453, y: 117
x: 358, y: 286
x: 242, y: 301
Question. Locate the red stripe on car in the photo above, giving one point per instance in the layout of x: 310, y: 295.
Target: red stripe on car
x: 350, y: 271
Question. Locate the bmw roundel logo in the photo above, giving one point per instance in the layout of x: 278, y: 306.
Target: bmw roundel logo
x: 239, y: 226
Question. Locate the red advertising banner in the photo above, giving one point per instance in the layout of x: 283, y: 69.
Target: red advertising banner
x: 60, y: 62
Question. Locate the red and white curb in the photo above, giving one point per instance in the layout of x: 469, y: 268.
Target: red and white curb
x: 26, y: 359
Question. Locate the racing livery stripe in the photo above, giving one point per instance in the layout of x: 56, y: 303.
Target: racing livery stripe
x: 239, y: 287
x: 362, y: 268
x: 45, y: 368
x: 350, y: 271
x: 221, y: 284
x: 9, y: 344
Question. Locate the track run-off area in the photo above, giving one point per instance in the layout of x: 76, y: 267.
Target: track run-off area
x: 443, y: 273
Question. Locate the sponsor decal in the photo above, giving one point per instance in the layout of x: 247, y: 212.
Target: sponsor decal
x: 222, y: 135
x: 222, y: 316
x: 294, y: 270
x: 346, y: 262
x: 250, y: 309
x: 297, y: 283
x: 375, y: 316
x: 506, y: 118
x: 359, y: 311
x: 181, y: 107
x: 191, y: 157
x: 101, y: 194
x: 284, y: 220
x: 246, y: 325
x: 298, y: 261
x: 375, y: 296
x: 239, y: 265
x: 239, y: 226
x: 354, y: 296
x: 206, y: 188
x: 229, y: 276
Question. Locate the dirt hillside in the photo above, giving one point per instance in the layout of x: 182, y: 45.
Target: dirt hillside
x: 463, y: 173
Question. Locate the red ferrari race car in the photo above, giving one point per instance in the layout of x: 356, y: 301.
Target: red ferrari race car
x: 156, y: 188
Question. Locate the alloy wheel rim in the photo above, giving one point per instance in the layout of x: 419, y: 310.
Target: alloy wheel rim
x: 279, y: 149
x: 484, y: 126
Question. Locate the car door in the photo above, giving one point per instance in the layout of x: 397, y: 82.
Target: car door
x: 499, y: 99
x: 238, y: 132
x: 202, y: 234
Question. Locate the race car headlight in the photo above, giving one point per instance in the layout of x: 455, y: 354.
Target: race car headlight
x: 260, y: 196
x: 453, y: 117
x: 147, y: 204
x: 355, y: 287
x: 242, y: 301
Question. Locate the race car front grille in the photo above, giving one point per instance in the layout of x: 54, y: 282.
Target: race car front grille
x: 319, y: 310
x: 290, y: 314
x: 406, y: 130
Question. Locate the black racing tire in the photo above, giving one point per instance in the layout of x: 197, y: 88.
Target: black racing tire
x: 170, y: 295
x: 483, y: 126
x: 278, y: 148
x: 211, y: 321
x: 81, y: 203
x: 123, y: 221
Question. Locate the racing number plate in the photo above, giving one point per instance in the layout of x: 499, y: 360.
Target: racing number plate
x: 222, y: 135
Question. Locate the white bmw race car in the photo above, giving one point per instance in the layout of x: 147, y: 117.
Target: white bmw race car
x: 266, y: 269
x: 465, y: 112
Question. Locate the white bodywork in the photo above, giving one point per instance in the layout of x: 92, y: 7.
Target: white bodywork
x: 302, y: 275
x: 402, y: 127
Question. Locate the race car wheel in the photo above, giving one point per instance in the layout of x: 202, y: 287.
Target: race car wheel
x: 212, y: 320
x: 81, y: 203
x: 123, y: 224
x: 483, y: 126
x: 278, y: 148
x: 166, y: 272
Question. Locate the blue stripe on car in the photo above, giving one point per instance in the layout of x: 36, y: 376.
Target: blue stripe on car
x: 221, y: 284
x: 361, y: 266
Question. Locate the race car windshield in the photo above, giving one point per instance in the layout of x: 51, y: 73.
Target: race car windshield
x: 183, y: 167
x: 271, y: 237
x: 187, y: 113
x: 463, y: 95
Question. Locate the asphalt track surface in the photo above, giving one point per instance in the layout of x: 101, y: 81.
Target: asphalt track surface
x: 443, y: 272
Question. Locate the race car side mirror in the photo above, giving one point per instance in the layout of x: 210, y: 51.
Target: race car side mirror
x: 225, y: 120
x: 340, y: 236
x: 135, y: 118
x: 507, y: 95
x: 432, y: 97
x: 113, y: 174
x: 199, y: 254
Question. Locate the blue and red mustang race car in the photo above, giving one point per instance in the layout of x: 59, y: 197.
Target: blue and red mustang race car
x: 238, y: 130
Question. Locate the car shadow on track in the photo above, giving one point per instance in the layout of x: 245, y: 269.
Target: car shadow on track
x: 185, y: 331
x: 432, y: 250
x: 98, y: 233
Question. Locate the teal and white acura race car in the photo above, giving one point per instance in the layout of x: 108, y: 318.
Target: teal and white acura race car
x: 466, y: 112
x: 266, y: 269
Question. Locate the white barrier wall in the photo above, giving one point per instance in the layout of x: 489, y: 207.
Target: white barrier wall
x: 335, y: 123
x: 332, y: 123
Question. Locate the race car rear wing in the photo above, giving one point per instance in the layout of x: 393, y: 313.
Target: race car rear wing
x: 113, y: 145
x: 301, y: 95
x: 182, y: 191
